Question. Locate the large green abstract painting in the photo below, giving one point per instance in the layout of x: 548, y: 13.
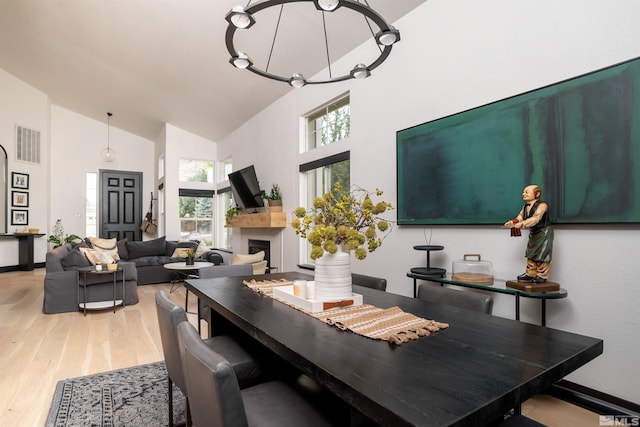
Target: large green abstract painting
x: 579, y: 140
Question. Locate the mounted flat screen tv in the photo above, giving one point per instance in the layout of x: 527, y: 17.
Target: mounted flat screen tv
x: 246, y: 189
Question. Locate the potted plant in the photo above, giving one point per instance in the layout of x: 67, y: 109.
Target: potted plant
x: 343, y: 220
x: 338, y: 223
x: 274, y: 198
x: 59, y: 238
x: 190, y: 256
x: 231, y: 212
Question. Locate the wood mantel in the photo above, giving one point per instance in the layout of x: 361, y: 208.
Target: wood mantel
x: 259, y: 220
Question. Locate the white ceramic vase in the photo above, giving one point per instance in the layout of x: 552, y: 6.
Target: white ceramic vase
x: 333, y: 277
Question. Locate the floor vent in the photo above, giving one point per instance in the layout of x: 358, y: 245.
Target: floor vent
x: 27, y: 145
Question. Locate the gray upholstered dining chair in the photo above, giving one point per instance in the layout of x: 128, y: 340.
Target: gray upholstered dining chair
x: 369, y: 281
x: 249, y: 368
x: 469, y: 300
x: 220, y: 271
x: 216, y: 398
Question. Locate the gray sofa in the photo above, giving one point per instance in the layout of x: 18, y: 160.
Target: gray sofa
x: 150, y: 256
x: 143, y: 263
x: 61, y: 283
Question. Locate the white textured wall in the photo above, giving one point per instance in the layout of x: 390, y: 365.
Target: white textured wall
x: 76, y: 144
x: 455, y: 55
x: 22, y: 105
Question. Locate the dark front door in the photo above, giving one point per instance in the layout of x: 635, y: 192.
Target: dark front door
x: 120, y: 204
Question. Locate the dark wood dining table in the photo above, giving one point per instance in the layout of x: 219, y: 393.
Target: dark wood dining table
x: 471, y: 373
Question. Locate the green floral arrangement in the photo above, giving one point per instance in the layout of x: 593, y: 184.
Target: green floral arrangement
x: 58, y: 238
x: 338, y: 218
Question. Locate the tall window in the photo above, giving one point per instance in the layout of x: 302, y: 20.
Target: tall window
x: 195, y: 171
x: 225, y: 167
x: 195, y: 200
x: 196, y: 215
x: 225, y: 202
x: 319, y: 177
x: 328, y: 124
x: 91, y: 201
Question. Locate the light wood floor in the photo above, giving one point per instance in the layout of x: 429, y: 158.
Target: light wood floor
x: 37, y: 350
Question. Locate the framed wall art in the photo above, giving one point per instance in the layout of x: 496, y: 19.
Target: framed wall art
x: 19, y: 217
x: 577, y: 139
x: 20, y: 180
x: 20, y: 199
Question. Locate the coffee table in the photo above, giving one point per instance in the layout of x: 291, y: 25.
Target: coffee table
x: 186, y: 271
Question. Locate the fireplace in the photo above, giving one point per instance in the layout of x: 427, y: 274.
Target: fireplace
x: 261, y: 245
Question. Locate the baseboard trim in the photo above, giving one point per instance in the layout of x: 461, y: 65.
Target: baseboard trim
x: 19, y: 268
x: 593, y: 400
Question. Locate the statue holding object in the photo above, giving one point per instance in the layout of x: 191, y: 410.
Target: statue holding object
x: 534, y: 216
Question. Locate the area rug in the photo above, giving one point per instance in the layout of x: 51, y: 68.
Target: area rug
x: 135, y: 396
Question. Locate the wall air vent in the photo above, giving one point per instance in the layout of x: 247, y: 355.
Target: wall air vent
x: 27, y: 145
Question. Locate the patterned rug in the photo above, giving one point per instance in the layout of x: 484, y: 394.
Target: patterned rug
x: 135, y: 396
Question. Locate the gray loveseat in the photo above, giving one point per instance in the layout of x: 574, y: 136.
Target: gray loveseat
x: 62, y: 277
x: 143, y: 263
x: 150, y: 256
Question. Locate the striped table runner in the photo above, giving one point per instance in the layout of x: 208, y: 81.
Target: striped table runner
x: 391, y: 324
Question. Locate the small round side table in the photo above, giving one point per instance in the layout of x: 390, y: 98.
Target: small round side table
x: 428, y: 270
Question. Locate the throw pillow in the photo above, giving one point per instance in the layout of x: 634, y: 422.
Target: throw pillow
x: 108, y: 246
x: 180, y: 253
x: 75, y: 258
x: 259, y: 267
x: 155, y: 247
x: 123, y: 253
x: 180, y: 249
x: 97, y: 256
x: 247, y: 259
x: 201, y: 249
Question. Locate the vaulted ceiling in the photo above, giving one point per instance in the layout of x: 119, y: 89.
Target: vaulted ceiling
x: 152, y: 62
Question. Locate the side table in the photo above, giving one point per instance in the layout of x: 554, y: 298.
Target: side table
x: 99, y: 305
x: 185, y: 271
x: 428, y: 270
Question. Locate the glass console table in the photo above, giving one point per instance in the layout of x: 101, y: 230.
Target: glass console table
x: 499, y: 286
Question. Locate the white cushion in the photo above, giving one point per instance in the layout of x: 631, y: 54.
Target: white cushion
x: 180, y: 253
x: 97, y: 256
x: 108, y: 246
x: 259, y: 267
x: 247, y: 259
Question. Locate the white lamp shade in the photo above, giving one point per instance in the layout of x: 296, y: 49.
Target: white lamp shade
x: 239, y: 18
x: 389, y: 37
x: 328, y: 5
x: 297, y: 80
x: 360, y: 71
x: 241, y: 61
x: 108, y: 154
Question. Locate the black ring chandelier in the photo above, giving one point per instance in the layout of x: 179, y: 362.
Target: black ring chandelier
x: 243, y: 18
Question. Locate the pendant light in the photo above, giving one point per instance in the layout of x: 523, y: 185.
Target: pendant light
x: 241, y: 19
x: 108, y: 154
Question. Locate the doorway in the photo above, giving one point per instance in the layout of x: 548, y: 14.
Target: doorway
x: 120, y: 205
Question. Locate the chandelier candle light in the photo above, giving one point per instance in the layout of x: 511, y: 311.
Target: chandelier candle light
x: 243, y: 18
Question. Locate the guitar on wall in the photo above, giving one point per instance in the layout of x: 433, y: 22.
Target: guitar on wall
x: 148, y: 226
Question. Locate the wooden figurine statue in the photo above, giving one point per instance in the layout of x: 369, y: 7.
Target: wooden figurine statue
x: 534, y: 216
